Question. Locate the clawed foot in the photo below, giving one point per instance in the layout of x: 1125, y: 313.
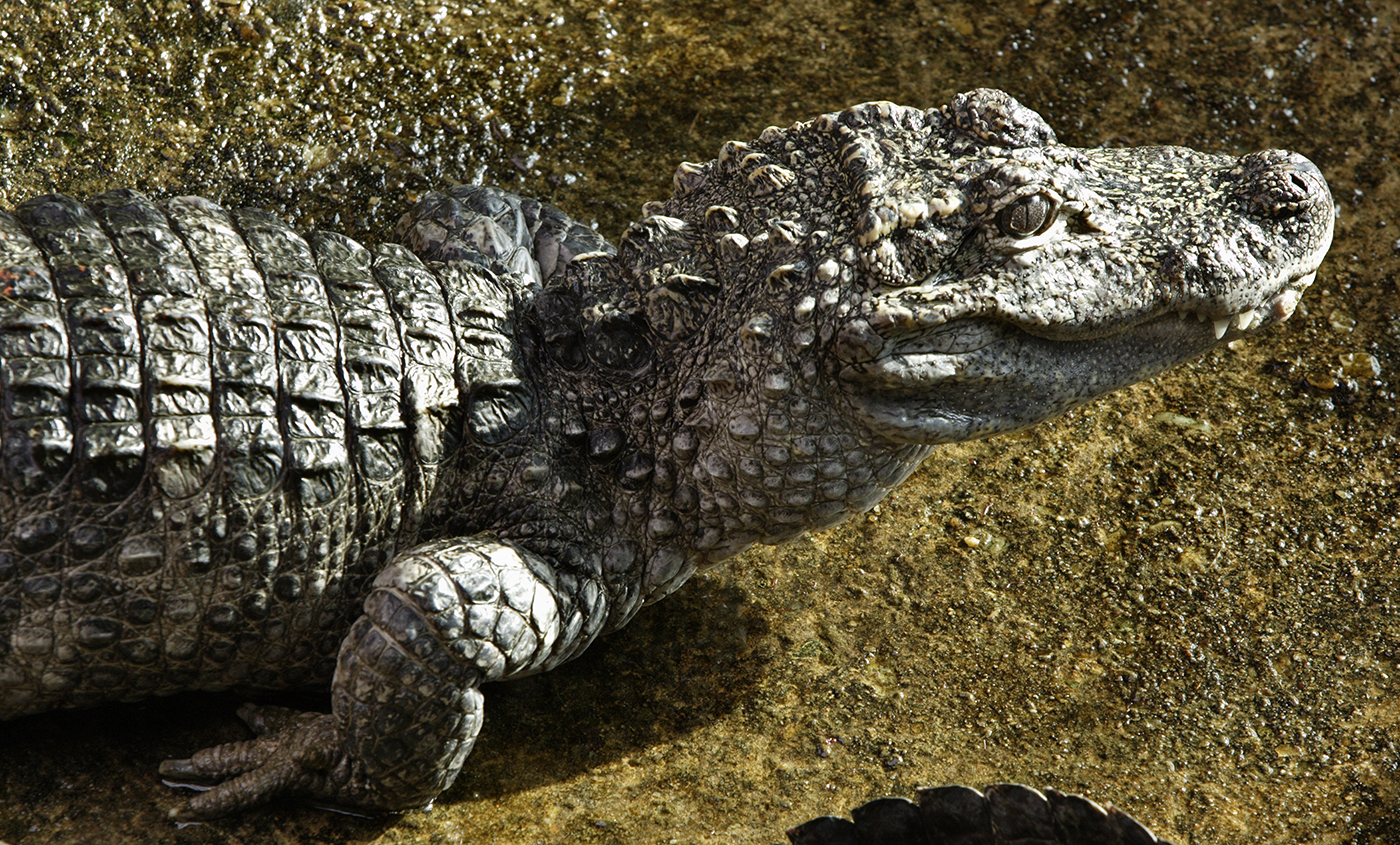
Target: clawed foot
x: 294, y: 754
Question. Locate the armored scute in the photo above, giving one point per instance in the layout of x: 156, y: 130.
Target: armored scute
x: 236, y: 457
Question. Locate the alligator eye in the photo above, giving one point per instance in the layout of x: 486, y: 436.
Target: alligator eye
x: 1028, y: 216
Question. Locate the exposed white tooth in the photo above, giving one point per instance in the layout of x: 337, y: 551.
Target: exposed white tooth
x: 1285, y: 303
x: 1307, y: 280
x: 1220, y: 326
x: 1244, y: 320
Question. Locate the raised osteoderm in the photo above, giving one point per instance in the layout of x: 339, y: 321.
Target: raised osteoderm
x: 234, y: 457
x: 1004, y: 814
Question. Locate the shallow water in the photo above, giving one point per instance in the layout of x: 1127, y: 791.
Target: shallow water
x: 1181, y: 597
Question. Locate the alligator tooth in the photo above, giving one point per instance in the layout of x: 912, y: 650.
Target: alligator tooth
x: 1220, y: 326
x: 1244, y: 320
x: 1306, y: 280
x: 1285, y: 303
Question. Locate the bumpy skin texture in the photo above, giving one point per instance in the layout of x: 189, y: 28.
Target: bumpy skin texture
x: 233, y: 457
x: 1003, y: 814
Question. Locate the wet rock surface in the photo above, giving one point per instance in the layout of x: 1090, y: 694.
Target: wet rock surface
x: 1179, y: 599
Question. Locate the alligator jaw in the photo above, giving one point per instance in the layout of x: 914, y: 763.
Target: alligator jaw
x: 978, y: 376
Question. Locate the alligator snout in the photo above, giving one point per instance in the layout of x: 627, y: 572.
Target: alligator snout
x: 1278, y: 184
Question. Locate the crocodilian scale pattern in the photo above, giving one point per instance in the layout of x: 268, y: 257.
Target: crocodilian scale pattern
x: 234, y: 457
x: 1002, y: 814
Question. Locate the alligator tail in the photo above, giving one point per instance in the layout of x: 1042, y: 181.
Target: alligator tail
x: 1002, y: 814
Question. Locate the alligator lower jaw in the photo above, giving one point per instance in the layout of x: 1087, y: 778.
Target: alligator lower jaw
x: 996, y: 378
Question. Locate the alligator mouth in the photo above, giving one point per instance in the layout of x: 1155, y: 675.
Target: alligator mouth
x: 1276, y: 309
x: 981, y: 375
x: 971, y: 333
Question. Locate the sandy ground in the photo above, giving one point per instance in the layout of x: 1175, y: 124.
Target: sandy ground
x: 1181, y: 600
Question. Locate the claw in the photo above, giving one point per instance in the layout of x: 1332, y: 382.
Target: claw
x: 244, y: 791
x: 212, y: 765
x: 180, y: 769
x: 294, y: 754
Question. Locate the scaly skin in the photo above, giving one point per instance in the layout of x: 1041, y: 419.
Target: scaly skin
x: 233, y: 457
x: 1002, y: 814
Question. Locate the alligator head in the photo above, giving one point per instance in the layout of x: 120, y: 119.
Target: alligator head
x: 1014, y: 278
x: 962, y: 274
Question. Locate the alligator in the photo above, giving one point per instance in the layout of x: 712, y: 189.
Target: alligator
x: 234, y: 457
x: 1003, y: 814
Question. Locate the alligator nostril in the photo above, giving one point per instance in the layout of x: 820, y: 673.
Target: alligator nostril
x: 1290, y: 193
x: 1277, y: 184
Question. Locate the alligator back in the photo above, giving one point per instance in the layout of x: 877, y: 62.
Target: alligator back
x: 214, y: 432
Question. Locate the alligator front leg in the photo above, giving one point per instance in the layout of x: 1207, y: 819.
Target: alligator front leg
x: 442, y: 619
